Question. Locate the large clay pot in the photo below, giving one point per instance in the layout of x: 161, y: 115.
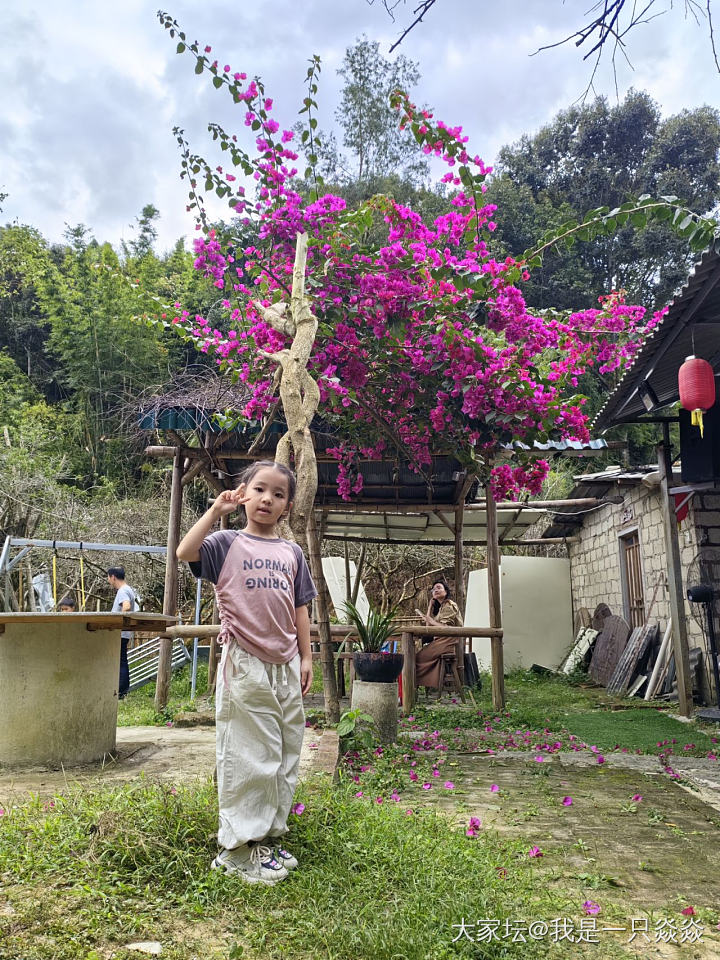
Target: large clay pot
x: 377, y: 667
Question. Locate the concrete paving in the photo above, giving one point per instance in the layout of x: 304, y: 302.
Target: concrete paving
x: 166, y: 754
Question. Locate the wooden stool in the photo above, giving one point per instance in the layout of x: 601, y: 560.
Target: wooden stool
x: 449, y: 675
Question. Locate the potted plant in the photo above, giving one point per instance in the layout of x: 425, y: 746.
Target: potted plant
x: 372, y: 663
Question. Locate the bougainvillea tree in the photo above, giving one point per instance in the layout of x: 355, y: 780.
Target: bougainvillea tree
x: 424, y: 340
x: 416, y: 339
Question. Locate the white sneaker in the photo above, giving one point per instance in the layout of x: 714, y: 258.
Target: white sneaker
x: 282, y: 856
x: 256, y: 864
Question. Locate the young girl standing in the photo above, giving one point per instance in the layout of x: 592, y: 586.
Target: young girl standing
x: 263, y: 587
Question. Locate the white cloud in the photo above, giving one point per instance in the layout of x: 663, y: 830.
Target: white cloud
x: 92, y: 90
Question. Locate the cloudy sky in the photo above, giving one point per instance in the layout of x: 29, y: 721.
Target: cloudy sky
x: 90, y: 90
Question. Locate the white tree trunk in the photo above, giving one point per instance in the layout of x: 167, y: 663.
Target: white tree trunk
x: 300, y: 397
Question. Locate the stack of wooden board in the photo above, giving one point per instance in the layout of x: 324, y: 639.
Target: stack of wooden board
x: 641, y: 639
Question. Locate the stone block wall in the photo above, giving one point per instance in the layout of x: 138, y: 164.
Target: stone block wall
x: 595, y: 561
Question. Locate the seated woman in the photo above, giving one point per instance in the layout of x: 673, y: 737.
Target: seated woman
x: 441, y: 612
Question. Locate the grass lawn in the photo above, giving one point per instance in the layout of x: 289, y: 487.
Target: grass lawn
x: 137, y: 709
x: 388, y: 870
x: 87, y: 874
x: 645, y: 731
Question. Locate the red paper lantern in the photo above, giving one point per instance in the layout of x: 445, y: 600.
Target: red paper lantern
x: 697, y: 388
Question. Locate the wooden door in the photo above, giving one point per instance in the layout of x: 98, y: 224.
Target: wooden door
x: 633, y: 582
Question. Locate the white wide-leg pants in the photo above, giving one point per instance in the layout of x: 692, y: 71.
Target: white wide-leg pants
x: 259, y: 726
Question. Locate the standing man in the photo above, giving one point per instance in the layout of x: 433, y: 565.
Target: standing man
x: 125, y: 602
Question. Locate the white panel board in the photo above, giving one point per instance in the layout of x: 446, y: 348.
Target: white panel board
x: 536, y: 611
x: 334, y: 570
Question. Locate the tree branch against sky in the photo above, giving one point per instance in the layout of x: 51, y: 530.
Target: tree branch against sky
x: 604, y: 32
x: 418, y: 13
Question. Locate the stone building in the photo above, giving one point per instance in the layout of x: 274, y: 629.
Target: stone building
x: 658, y: 522
x: 617, y: 550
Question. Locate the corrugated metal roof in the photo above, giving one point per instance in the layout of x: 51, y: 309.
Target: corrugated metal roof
x: 612, y: 473
x: 560, y: 446
x: 568, y: 519
x: 691, y: 325
x: 426, y: 528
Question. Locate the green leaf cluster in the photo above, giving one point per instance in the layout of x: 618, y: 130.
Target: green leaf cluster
x: 373, y: 629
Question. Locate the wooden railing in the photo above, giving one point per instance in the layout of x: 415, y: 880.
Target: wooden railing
x: 406, y: 636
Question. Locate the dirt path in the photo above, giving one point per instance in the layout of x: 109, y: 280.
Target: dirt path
x: 158, y: 753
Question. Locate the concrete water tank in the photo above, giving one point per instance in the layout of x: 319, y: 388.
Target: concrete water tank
x: 59, y: 685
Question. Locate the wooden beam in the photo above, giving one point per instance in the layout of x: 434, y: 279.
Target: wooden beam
x: 170, y: 595
x: 417, y: 509
x: 675, y: 580
x: 459, y: 571
x: 424, y: 541
x: 441, y: 516
x: 332, y: 704
x: 211, y: 480
x: 338, y: 630
x: 193, y: 470
x: 494, y: 603
x: 407, y: 646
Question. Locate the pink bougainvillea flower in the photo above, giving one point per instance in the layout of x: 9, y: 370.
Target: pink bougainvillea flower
x: 636, y: 798
x: 359, y: 793
x: 688, y: 912
x: 539, y: 759
x: 298, y: 809
x: 475, y: 823
x: 449, y: 785
x: 413, y: 775
x: 591, y: 908
x: 427, y: 786
x: 567, y: 801
x: 494, y: 788
x: 601, y: 759
x: 408, y: 813
x: 395, y: 796
x: 535, y: 852
x: 378, y: 799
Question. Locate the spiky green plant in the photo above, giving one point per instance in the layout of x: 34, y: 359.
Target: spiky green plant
x: 374, y: 629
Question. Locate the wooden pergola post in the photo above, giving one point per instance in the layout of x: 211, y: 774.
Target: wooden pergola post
x: 460, y: 583
x: 675, y: 580
x: 170, y: 595
x: 327, y: 653
x: 214, y: 651
x: 494, y: 604
x: 407, y: 648
x: 459, y: 572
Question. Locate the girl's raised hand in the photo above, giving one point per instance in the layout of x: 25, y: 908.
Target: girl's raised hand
x: 226, y: 502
